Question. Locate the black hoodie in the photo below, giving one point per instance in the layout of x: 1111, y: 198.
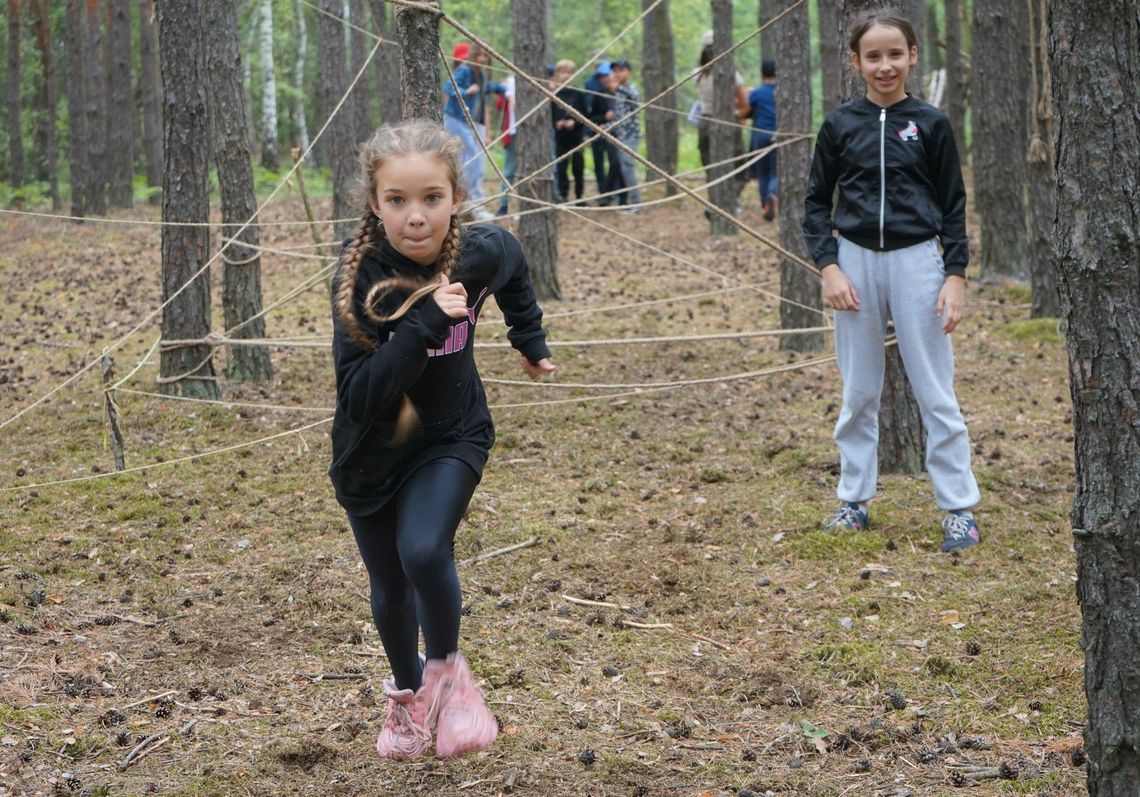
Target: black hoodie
x: 899, y: 179
x: 428, y: 357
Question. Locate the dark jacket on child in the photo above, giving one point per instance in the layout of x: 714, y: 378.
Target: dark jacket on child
x: 428, y: 357
x: 899, y: 179
x: 577, y: 100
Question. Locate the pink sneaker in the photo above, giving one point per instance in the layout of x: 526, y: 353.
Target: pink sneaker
x: 407, y: 729
x: 463, y: 723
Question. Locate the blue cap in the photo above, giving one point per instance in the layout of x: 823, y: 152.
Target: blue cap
x: 603, y: 68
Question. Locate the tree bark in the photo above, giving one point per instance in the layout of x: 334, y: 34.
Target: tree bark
x: 915, y: 10
x: 361, y: 106
x: 16, y: 174
x: 900, y: 422
x: 800, y: 289
x: 150, y: 89
x: 955, y: 76
x: 299, y: 107
x: 724, y: 140
x: 658, y: 73
x: 538, y: 232
x: 46, y: 137
x: 1042, y: 195
x: 268, y: 87
x: 96, y: 93
x: 342, y: 154
x: 387, y: 64
x: 418, y: 32
x: 765, y: 10
x: 833, y: 57
x: 77, y: 106
x: 120, y: 124
x: 1095, y: 60
x: 241, y: 285
x: 185, y: 199
x: 1001, y: 85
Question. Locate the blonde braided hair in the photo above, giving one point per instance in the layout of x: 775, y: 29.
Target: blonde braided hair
x: 410, y: 137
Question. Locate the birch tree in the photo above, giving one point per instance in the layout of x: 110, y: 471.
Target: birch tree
x: 268, y: 86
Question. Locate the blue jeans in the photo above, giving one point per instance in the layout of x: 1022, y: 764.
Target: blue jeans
x: 628, y: 165
x: 510, y: 169
x: 472, y: 165
x: 764, y: 170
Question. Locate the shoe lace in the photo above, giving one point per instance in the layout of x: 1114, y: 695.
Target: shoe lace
x: 957, y: 526
x: 847, y: 515
x: 406, y: 725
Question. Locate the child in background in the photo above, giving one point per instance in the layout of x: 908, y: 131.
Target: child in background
x: 505, y: 104
x: 567, y: 131
x: 895, y: 163
x: 412, y: 428
x: 627, y: 130
x: 762, y: 102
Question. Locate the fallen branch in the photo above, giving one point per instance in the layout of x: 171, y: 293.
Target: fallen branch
x: 500, y: 551
x: 646, y: 626
x: 150, y: 699
x: 334, y: 676
x: 146, y: 746
x: 713, y: 642
x: 598, y: 604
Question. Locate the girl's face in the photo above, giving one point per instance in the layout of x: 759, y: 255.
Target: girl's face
x: 884, y: 60
x: 414, y: 198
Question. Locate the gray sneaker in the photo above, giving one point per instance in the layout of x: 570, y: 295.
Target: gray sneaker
x: 850, y: 516
x: 959, y: 530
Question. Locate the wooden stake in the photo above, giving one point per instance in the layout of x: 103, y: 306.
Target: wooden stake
x: 313, y: 229
x: 107, y: 365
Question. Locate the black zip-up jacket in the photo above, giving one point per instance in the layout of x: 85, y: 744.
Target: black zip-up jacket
x: 899, y: 179
x: 598, y: 102
x: 576, y: 100
x: 428, y: 357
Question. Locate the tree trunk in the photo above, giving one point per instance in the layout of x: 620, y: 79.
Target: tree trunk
x: 765, y: 10
x: 387, y: 64
x: 15, y: 135
x: 362, y: 107
x: 1095, y: 60
x: 241, y: 286
x: 955, y: 77
x: 724, y: 139
x: 833, y: 58
x: 900, y: 423
x: 150, y: 89
x: 96, y: 112
x: 538, y: 232
x: 915, y: 11
x: 268, y: 87
x: 77, y: 106
x: 46, y: 127
x: 299, y: 107
x: 1042, y: 195
x: 185, y: 199
x: 418, y: 32
x: 120, y: 124
x: 793, y: 112
x: 1001, y: 85
x: 342, y: 153
x: 658, y: 73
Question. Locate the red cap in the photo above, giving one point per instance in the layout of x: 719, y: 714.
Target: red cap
x: 461, y: 51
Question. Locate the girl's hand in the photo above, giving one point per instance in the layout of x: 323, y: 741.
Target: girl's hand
x: 838, y: 292
x: 451, y: 297
x: 951, y: 302
x: 535, y: 370
x: 472, y: 89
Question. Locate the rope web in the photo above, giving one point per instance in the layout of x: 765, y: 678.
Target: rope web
x: 316, y: 278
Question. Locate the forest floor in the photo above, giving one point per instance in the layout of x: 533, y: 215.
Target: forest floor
x: 215, y: 611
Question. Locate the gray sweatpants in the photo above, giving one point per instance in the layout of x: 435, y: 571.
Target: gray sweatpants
x: 902, y: 285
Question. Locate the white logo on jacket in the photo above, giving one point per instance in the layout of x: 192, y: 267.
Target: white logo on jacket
x: 910, y: 132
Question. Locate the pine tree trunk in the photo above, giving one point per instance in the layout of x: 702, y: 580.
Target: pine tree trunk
x: 185, y: 250
x: 538, y: 232
x: 342, y: 152
x: 77, y: 106
x: 16, y: 174
x: 765, y: 10
x: 1095, y: 60
x: 793, y: 112
x: 833, y: 59
x: 268, y: 88
x: 241, y: 285
x: 1042, y: 195
x: 1001, y: 85
x: 955, y: 78
x: 658, y: 73
x: 915, y: 10
x: 362, y: 107
x: 724, y: 140
x: 418, y: 32
x: 387, y: 64
x: 96, y: 93
x: 46, y: 128
x: 150, y: 89
x: 120, y: 124
x: 299, y: 107
x: 900, y: 424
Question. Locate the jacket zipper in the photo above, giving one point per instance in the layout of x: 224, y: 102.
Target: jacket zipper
x: 882, y: 172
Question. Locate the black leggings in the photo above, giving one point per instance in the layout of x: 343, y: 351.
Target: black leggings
x: 407, y: 548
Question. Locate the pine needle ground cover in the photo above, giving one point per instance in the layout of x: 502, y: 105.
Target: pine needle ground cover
x: 679, y: 627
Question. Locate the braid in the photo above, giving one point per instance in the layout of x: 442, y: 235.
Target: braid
x: 448, y: 257
x: 346, y: 286
x: 452, y: 243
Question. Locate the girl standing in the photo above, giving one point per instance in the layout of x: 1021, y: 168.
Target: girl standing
x: 894, y: 161
x: 412, y: 427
